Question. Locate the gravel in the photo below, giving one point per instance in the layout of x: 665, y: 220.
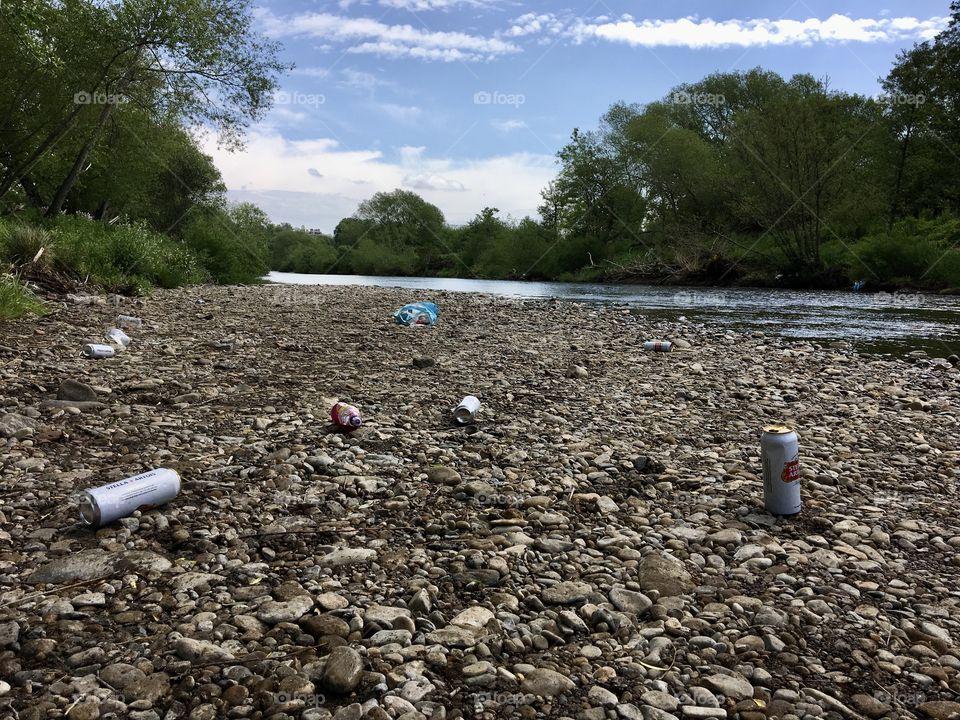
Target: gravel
x: 593, y: 547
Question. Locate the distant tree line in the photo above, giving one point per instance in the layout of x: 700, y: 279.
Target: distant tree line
x: 743, y: 176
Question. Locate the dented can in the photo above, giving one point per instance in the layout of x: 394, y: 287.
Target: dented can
x: 118, y: 336
x: 101, y: 506
x: 346, y: 416
x: 780, y: 456
x: 466, y: 411
x: 658, y: 345
x: 98, y: 352
x: 129, y: 321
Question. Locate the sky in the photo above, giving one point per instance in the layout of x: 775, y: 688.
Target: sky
x: 466, y: 102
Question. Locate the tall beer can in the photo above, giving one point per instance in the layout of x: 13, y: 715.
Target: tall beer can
x: 467, y: 410
x: 780, y: 455
x: 102, y: 505
x: 129, y: 321
x: 118, y: 336
x: 658, y: 345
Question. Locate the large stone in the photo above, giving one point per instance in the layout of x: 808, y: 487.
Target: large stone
x: 735, y: 687
x: 273, y: 611
x: 567, y: 592
x: 348, y: 556
x: 322, y: 625
x: 941, y: 709
x: 384, y: 615
x: 83, y: 565
x: 665, y: 574
x: 16, y: 426
x: 9, y: 633
x: 343, y: 670
x: 546, y: 683
x: 201, y: 651
x: 475, y: 616
x: 77, y: 391
x: 629, y: 601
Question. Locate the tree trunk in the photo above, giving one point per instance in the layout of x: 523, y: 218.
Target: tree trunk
x: 16, y: 172
x: 30, y: 188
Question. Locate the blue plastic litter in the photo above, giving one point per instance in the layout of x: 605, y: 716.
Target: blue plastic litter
x: 418, y: 313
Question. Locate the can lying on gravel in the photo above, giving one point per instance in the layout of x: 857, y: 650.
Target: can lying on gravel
x: 97, y: 352
x: 780, y: 455
x: 346, y: 416
x: 101, y: 506
x: 658, y: 345
x: 467, y: 410
x: 129, y: 321
x: 118, y: 336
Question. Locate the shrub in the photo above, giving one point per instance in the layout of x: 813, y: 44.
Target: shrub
x: 16, y: 300
x: 24, y: 244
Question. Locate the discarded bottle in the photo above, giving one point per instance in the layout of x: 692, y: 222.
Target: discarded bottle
x: 780, y: 456
x: 98, y: 352
x: 467, y: 410
x: 346, y: 416
x: 129, y: 321
x: 658, y: 345
x: 118, y: 336
x: 101, y: 506
x: 418, y: 313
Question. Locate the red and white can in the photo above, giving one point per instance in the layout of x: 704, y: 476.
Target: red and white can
x: 346, y: 416
x: 780, y: 455
x: 658, y: 345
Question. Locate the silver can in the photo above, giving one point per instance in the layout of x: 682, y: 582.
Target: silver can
x: 129, y: 321
x: 466, y: 411
x: 780, y: 455
x: 98, y: 352
x: 101, y: 506
x: 118, y: 336
x: 658, y: 345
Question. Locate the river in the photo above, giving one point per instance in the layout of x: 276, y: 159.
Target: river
x: 882, y: 323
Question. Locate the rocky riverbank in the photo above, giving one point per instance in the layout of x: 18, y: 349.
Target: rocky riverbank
x: 595, y: 547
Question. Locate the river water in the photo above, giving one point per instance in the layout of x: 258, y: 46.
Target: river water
x: 884, y: 323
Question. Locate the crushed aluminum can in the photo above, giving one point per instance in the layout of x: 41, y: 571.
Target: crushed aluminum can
x: 466, y: 411
x: 102, y: 505
x: 118, y: 336
x: 129, y: 321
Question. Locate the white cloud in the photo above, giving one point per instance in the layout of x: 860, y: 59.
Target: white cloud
x: 706, y: 33
x: 274, y: 172
x: 407, y: 114
x: 366, y: 35
x: 426, y: 181
x: 533, y: 23
x: 430, y: 4
x: 508, y: 125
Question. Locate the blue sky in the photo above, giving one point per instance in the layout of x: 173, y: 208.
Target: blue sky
x: 467, y: 101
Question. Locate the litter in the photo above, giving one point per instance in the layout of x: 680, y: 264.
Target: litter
x: 98, y: 352
x: 102, y: 505
x: 658, y: 345
x: 129, y: 321
x: 467, y: 410
x: 346, y: 416
x: 418, y: 313
x: 118, y: 336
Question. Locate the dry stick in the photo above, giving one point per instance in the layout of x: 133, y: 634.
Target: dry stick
x: 41, y: 593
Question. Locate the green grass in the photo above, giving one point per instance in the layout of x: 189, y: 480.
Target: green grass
x: 16, y: 300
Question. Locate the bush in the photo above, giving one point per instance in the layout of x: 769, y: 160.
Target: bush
x: 231, y: 252
x: 919, y: 253
x: 16, y: 300
x: 123, y: 258
x: 24, y: 244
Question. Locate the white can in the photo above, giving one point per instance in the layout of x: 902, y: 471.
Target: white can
x: 780, y: 455
x: 98, y: 352
x: 118, y: 336
x: 658, y: 345
x: 129, y: 321
x: 101, y: 506
x: 466, y: 411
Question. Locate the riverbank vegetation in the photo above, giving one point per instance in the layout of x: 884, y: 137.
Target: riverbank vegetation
x: 742, y: 177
